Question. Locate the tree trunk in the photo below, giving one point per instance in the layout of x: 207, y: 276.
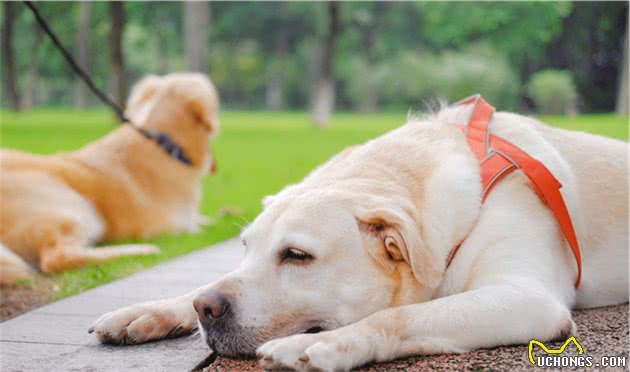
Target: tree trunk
x: 275, y: 92
x: 622, y: 95
x: 26, y: 101
x: 8, y: 63
x: 82, y: 53
x: 370, y: 33
x: 196, y: 24
x: 323, y: 100
x: 117, y: 66
x: 164, y: 49
x: 371, y: 101
x: 274, y: 95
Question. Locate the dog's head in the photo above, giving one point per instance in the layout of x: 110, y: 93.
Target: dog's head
x: 318, y: 258
x: 184, y: 106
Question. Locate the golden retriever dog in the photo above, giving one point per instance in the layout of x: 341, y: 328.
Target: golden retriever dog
x: 350, y: 265
x: 55, y: 208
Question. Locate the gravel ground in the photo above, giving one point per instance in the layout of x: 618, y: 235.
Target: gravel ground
x: 20, y: 298
x: 602, y: 331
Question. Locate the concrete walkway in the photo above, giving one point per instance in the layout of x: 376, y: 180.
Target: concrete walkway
x: 55, y: 338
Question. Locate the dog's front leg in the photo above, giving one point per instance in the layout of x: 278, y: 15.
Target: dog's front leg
x: 484, y: 317
x: 148, y: 321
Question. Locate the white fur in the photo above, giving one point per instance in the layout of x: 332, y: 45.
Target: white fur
x: 385, y: 292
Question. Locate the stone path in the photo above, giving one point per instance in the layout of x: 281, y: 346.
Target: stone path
x: 55, y: 338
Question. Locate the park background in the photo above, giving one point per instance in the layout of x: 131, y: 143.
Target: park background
x: 299, y: 81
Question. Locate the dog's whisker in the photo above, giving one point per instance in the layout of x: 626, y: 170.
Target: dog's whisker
x: 239, y: 225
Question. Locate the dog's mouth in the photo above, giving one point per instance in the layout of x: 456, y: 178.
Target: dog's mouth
x: 234, y: 340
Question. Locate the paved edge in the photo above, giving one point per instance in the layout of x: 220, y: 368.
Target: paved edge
x: 54, y: 337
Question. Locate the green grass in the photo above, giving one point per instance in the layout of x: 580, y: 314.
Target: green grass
x: 257, y: 154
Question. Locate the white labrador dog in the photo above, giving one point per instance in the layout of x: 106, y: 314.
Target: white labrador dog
x: 349, y: 266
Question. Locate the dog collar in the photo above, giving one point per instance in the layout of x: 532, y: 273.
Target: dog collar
x: 498, y: 158
x: 172, y: 149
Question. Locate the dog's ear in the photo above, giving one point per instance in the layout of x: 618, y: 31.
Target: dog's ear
x: 204, y: 114
x: 400, y: 236
x: 203, y: 101
x: 451, y: 204
x: 141, y: 93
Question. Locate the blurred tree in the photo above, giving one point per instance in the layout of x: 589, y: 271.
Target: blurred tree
x: 323, y: 101
x: 274, y: 93
x: 147, y: 51
x: 49, y: 83
x: 365, y: 92
x: 249, y: 63
x: 117, y: 24
x: 553, y: 91
x: 8, y: 64
x: 375, y: 36
x: 386, y: 55
x: 590, y: 46
x: 413, y: 78
x: 622, y: 95
x: 519, y: 29
x: 82, y: 50
x: 196, y: 24
x: 26, y: 100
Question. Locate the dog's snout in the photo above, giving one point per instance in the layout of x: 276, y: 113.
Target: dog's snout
x: 211, y: 304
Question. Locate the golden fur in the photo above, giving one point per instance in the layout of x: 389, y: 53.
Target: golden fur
x: 120, y: 186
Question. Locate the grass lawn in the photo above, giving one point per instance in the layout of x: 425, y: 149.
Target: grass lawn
x: 257, y: 154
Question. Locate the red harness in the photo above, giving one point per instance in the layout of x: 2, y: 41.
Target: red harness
x: 498, y: 158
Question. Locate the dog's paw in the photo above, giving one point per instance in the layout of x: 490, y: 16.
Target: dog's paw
x: 145, y: 322
x: 306, y: 352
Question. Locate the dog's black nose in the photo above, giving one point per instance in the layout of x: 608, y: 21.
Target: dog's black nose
x: 211, y: 304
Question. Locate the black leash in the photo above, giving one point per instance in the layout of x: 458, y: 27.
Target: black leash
x: 160, y: 138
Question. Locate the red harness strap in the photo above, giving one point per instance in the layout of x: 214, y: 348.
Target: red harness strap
x: 498, y: 158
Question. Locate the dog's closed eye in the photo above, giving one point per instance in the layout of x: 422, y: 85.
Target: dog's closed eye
x: 295, y: 256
